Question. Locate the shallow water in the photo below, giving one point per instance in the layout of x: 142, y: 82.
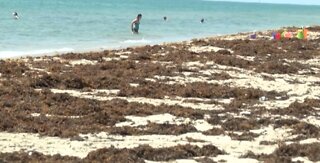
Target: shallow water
x: 61, y: 26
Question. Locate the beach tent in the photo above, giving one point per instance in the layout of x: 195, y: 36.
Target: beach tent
x: 300, y: 34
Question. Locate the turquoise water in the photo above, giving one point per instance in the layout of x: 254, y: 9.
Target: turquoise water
x: 81, y: 25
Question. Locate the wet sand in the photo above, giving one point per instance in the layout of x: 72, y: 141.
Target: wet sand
x: 222, y: 99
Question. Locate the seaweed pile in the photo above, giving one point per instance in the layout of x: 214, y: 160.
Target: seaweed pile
x: 235, y: 89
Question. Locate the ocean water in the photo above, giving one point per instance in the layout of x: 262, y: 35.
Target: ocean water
x: 58, y: 26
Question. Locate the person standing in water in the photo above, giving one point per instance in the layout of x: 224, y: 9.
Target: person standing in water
x: 135, y: 24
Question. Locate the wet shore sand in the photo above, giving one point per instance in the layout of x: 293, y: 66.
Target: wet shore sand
x: 221, y: 99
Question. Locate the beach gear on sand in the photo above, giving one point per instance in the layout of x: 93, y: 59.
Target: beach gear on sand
x: 286, y: 34
x: 305, y: 33
x: 282, y: 34
x: 276, y: 35
x: 253, y: 36
x: 300, y: 34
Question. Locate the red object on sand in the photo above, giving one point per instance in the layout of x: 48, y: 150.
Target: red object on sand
x: 278, y: 36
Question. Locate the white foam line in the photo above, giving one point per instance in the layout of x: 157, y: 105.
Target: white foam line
x: 11, y: 142
x: 156, y: 102
x: 34, y: 53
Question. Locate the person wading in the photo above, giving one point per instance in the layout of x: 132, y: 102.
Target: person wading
x: 135, y: 24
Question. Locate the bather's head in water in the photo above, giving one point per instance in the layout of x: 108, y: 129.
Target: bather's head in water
x: 15, y: 15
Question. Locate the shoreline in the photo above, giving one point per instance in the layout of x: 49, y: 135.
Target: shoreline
x: 64, y: 51
x: 231, y: 36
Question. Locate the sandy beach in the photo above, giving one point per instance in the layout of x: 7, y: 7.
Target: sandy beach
x: 215, y: 99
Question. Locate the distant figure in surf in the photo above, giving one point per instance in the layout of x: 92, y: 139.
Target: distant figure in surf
x: 202, y: 20
x: 135, y: 24
x: 15, y: 15
x: 165, y: 18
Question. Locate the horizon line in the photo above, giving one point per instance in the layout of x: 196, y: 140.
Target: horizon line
x: 260, y: 2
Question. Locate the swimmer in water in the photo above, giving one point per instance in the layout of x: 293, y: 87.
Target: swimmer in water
x: 135, y: 24
x: 165, y: 18
x: 15, y: 15
x: 202, y: 20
